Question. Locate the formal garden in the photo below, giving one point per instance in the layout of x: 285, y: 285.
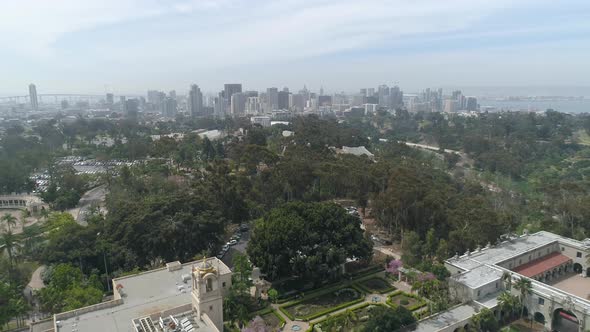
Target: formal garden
x: 323, y: 302
x: 411, y: 302
x: 349, y: 321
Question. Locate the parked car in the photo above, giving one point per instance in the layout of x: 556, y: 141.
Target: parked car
x: 232, y: 242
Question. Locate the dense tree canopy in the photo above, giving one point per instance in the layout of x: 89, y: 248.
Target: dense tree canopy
x: 306, y: 239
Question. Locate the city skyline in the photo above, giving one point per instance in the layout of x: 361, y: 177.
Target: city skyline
x: 131, y: 46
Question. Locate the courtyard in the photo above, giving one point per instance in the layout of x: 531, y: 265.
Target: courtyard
x: 574, y: 284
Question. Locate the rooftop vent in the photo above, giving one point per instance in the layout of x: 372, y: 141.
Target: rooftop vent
x: 173, y: 266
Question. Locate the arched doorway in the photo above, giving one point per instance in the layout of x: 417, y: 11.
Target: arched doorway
x: 565, y: 321
x: 588, y: 272
x: 539, y: 318
x: 578, y: 268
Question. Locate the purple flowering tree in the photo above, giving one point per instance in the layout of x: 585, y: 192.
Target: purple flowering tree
x: 394, y: 266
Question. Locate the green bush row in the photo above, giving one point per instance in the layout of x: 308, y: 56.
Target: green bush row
x: 364, y: 305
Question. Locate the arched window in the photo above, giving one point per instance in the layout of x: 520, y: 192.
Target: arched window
x: 209, y: 285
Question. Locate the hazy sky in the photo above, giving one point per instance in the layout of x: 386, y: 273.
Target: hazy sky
x: 129, y: 46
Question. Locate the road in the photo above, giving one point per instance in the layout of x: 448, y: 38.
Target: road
x: 92, y: 197
x: 431, y: 147
x: 238, y: 248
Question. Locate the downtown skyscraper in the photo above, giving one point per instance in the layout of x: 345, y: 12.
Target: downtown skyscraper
x: 33, y: 96
x: 195, y: 101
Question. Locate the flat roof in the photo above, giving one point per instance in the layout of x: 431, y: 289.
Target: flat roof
x: 504, y: 250
x: 541, y: 265
x: 448, y: 318
x: 479, y: 276
x: 145, y: 293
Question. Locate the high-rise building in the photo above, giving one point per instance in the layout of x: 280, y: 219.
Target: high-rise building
x: 220, y: 105
x: 238, y: 104
x: 272, y: 94
x: 131, y: 108
x: 451, y: 105
x: 396, y: 97
x: 195, y: 101
x: 324, y: 100
x: 283, y: 100
x: 230, y: 89
x: 169, y: 107
x: 471, y: 104
x: 172, y: 94
x: 33, y: 96
x: 383, y: 94
x: 297, y: 102
x: 110, y: 99
x: 253, y: 106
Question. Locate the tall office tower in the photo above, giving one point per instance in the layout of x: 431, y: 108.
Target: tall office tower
x: 238, y: 104
x: 283, y: 100
x: 383, y: 93
x: 33, y: 96
x: 450, y: 105
x: 195, y: 101
x: 230, y: 89
x: 220, y: 105
x: 110, y: 99
x: 370, y: 92
x: 153, y: 96
x: 363, y: 92
x: 272, y: 94
x: 169, y: 107
x: 324, y: 100
x: 172, y: 94
x: 321, y: 90
x: 456, y: 94
x: 131, y: 108
x: 251, y: 93
x: 396, y: 97
x: 471, y: 104
x: 297, y: 102
x: 122, y: 104
x: 253, y: 106
x: 286, y: 89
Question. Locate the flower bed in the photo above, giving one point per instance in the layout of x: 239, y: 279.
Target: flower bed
x: 322, y: 303
x: 409, y: 301
x: 375, y: 285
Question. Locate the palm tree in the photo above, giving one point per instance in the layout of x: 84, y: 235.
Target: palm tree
x: 507, y: 279
x: 9, y: 219
x: 507, y: 303
x: 8, y: 244
x: 525, y: 287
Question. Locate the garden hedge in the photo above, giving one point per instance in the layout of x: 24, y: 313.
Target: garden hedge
x: 321, y: 292
x: 416, y: 306
x: 359, y: 284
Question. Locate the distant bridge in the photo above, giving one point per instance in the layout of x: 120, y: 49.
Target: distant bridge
x: 57, y: 97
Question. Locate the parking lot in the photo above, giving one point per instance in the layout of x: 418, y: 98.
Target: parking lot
x: 239, y: 247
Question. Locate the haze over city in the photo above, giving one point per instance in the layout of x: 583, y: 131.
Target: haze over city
x: 129, y: 46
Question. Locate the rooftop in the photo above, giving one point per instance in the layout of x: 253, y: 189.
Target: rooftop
x: 479, y: 276
x: 447, y: 318
x: 144, y: 294
x: 542, y: 264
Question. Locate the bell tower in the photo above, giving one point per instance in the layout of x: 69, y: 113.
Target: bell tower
x: 207, y: 297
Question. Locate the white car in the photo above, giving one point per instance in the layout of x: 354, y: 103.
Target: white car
x: 232, y: 242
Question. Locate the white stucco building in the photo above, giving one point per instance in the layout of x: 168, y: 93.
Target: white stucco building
x: 557, y: 267
x: 179, y: 297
